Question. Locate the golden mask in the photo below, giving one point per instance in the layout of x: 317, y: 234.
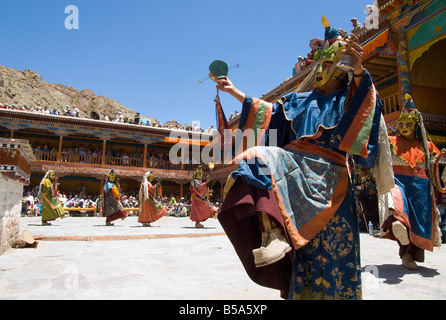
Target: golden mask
x: 408, y: 119
x: 51, y: 176
x: 328, y: 57
x: 111, y: 177
x: 326, y: 67
x: 406, y: 127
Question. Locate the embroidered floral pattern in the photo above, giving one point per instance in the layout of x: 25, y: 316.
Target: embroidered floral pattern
x: 328, y: 266
x: 337, y: 238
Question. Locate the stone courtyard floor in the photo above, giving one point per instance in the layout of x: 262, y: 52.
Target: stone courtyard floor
x: 80, y: 258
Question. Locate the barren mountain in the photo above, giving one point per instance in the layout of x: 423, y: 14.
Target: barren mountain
x: 27, y: 88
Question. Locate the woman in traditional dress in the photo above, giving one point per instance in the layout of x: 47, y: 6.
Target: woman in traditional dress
x: 150, y: 209
x: 51, y: 207
x: 290, y: 209
x: 201, y: 208
x: 112, y: 208
x: 412, y: 218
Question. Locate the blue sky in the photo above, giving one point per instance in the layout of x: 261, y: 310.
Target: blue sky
x: 150, y: 55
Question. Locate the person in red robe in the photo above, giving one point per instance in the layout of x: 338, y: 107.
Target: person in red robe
x: 150, y: 210
x: 201, y: 208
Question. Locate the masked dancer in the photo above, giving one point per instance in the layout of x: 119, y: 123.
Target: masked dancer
x: 290, y: 209
x: 150, y: 209
x: 201, y: 208
x: 412, y: 218
x: 51, y: 207
x: 112, y: 208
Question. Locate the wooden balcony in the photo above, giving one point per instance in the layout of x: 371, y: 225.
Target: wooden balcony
x: 92, y: 160
x: 61, y: 132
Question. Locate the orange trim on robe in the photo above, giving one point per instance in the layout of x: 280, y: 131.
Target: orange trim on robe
x: 358, y: 122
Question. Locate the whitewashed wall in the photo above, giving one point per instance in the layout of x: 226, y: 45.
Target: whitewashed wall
x: 11, y: 192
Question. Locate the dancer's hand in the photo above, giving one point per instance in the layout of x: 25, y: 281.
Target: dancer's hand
x: 226, y: 85
x: 355, y: 50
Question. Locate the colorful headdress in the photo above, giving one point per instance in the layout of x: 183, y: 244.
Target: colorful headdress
x: 332, y: 35
x: 46, y: 176
x: 149, y: 175
x: 197, y: 173
x: 409, y: 112
x: 330, y: 52
x: 144, y: 190
x: 111, y: 175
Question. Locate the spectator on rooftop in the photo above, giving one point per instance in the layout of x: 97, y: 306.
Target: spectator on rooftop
x: 67, y: 112
x: 136, y: 120
x: 356, y: 25
x: 75, y: 111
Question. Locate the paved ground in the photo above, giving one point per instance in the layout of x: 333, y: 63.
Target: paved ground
x: 80, y: 258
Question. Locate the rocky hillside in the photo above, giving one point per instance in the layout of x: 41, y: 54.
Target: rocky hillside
x: 28, y: 88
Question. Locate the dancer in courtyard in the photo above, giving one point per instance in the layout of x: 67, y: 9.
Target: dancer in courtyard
x: 150, y: 209
x: 201, y: 208
x: 290, y: 210
x: 112, y: 208
x: 51, y: 207
x: 411, y: 218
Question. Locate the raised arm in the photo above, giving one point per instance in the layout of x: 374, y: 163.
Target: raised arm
x: 355, y: 50
x: 227, y: 86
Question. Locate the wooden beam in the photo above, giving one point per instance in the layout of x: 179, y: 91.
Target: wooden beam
x: 377, y: 74
x: 383, y: 62
x: 379, y: 69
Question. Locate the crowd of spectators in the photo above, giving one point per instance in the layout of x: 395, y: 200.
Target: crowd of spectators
x: 118, y: 118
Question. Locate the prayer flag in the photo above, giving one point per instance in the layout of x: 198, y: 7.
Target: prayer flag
x: 222, y: 123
